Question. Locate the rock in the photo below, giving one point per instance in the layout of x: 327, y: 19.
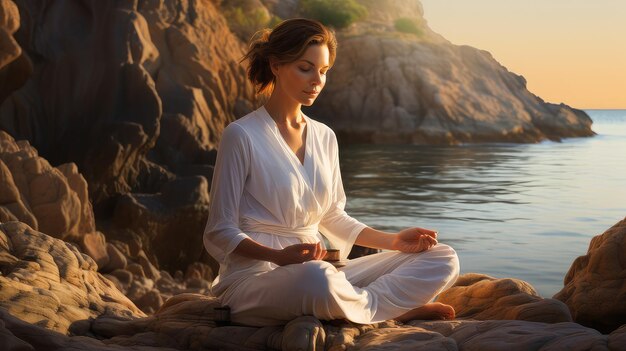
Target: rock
x: 617, y: 339
x: 51, y: 284
x: 595, y: 289
x: 148, y: 268
x: 9, y: 23
x: 404, y: 338
x: 303, y: 333
x: 15, y: 68
x: 33, y: 337
x: 517, y: 335
x: 199, y: 270
x: 117, y: 260
x: 150, y: 302
x: 94, y: 244
x: 169, y: 224
x: 483, y: 297
x: 136, y: 269
x: 53, y: 200
x: 10, y: 342
x: 159, y: 62
x: 124, y: 277
x: 425, y: 90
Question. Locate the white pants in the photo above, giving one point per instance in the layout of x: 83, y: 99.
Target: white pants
x: 368, y: 289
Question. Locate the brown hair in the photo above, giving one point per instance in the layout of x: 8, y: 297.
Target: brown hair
x: 285, y: 43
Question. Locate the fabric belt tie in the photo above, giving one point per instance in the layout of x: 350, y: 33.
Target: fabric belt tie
x: 299, y: 232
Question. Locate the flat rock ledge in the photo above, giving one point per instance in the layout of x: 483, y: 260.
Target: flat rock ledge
x: 187, y: 322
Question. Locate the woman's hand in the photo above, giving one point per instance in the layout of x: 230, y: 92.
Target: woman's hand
x: 299, y: 253
x: 414, y: 240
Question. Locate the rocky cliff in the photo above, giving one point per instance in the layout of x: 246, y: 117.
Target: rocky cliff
x: 389, y: 86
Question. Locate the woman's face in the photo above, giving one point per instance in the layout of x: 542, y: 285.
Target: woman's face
x: 304, y: 79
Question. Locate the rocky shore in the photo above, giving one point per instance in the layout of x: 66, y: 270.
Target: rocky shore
x: 110, y: 115
x: 76, y: 289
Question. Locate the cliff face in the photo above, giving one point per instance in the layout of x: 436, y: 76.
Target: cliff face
x: 136, y: 94
x: 392, y: 87
x: 124, y: 88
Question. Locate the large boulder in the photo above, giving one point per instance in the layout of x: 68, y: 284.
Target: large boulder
x: 595, y: 285
x: 48, y: 282
x: 393, y: 87
x: 15, y: 68
x: 161, y: 220
x: 521, y: 335
x: 50, y: 199
x: 479, y: 296
x: 144, y: 93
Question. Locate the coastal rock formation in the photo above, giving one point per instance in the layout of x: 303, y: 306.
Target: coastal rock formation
x: 48, y: 282
x: 396, y: 88
x: 150, y: 87
x: 181, y: 206
x: 479, y: 296
x: 188, y: 322
x: 50, y: 199
x: 9, y: 23
x: 595, y: 285
x: 521, y: 335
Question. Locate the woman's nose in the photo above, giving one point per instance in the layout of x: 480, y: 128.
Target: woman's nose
x: 317, y: 79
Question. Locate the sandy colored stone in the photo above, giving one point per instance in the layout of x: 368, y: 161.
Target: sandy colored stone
x: 595, y: 285
x: 117, y: 260
x: 94, y: 244
x: 148, y: 268
x: 43, y: 196
x: 25, y: 336
x: 517, y: 335
x: 168, y: 222
x: 51, y: 284
x: 479, y: 296
x: 9, y: 23
x: 199, y: 270
x: 405, y: 338
x: 617, y: 339
x: 150, y: 301
x: 166, y: 80
x: 391, y: 87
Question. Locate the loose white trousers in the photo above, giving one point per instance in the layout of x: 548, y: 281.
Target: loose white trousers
x: 367, y: 290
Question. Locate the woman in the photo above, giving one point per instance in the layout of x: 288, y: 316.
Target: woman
x: 277, y: 183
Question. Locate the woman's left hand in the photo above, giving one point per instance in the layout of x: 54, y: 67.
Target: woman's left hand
x: 414, y: 240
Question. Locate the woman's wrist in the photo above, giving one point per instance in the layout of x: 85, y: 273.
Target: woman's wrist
x: 251, y: 249
x: 272, y: 255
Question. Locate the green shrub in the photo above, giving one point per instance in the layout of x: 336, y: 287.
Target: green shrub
x: 408, y: 25
x: 246, y: 23
x: 335, y: 13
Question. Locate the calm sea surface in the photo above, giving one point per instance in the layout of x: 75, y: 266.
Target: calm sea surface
x: 510, y: 210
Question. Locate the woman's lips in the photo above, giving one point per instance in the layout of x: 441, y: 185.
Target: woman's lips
x: 312, y: 93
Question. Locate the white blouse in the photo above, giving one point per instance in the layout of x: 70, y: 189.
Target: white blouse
x: 261, y: 191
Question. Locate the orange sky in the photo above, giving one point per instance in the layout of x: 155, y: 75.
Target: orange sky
x: 571, y: 51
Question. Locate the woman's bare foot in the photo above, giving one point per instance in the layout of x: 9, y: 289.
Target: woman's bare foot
x: 430, y: 311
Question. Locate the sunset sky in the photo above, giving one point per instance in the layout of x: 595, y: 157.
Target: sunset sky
x: 571, y: 51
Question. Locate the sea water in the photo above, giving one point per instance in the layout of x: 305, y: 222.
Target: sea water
x: 510, y: 210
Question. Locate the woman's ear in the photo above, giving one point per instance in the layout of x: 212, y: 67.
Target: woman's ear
x: 274, y: 65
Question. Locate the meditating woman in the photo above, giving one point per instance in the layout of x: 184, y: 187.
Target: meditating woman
x: 277, y: 185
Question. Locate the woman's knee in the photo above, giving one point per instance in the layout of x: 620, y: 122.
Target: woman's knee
x: 314, y: 278
x: 449, y: 258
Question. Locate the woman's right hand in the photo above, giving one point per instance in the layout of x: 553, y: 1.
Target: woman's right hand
x: 299, y: 253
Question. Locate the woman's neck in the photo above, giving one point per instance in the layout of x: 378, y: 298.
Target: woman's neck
x: 283, y: 109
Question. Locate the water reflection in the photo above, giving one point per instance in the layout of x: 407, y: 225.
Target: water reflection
x: 515, y: 210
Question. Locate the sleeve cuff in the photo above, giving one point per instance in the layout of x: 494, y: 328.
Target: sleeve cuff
x: 358, y: 228
x: 234, y: 242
